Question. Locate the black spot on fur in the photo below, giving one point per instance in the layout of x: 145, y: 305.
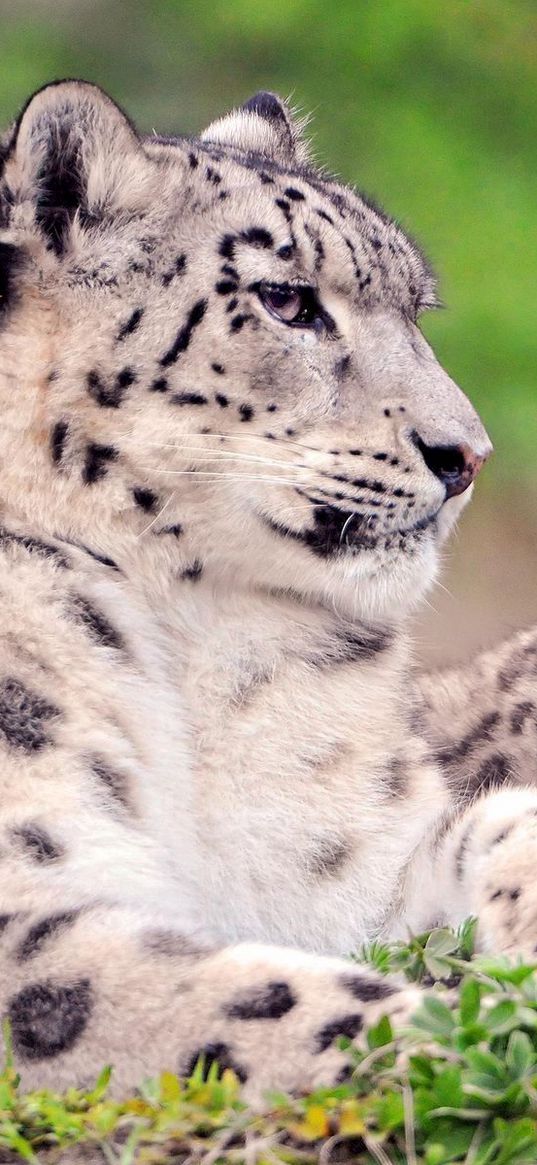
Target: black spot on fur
x: 461, y: 851
x: 10, y: 264
x: 219, y: 369
x: 179, y: 267
x: 211, y: 1054
x: 171, y: 944
x: 226, y: 246
x: 145, y: 498
x: 269, y: 1002
x: 5, y: 920
x: 522, y: 662
x: 95, y: 623
x: 327, y: 856
x: 257, y: 237
x: 226, y: 286
x: 131, y: 324
x: 23, y: 715
x: 221, y: 400
x: 246, y: 412
x: 325, y: 537
x: 294, y: 194
x: 397, y: 774
x: 341, y: 367
x: 96, y: 462
x: 40, y: 933
x: 267, y: 106
x: 110, y: 395
x: 351, y: 644
x: 159, y: 385
x: 193, y: 161
x: 347, y: 1025
x: 481, y: 734
x: 522, y: 712
x: 48, y: 1018
x: 318, y: 248
x: 58, y: 438
x: 60, y: 185
x: 253, y: 237
x: 327, y: 217
x: 239, y: 321
x: 284, y: 206
x: 102, y: 558
x: 176, y: 529
x: 184, y: 335
x: 367, y: 989
x: 192, y: 572
x: 493, y: 773
x: 37, y: 843
x: 188, y: 398
x: 114, y: 782
x: 375, y: 486
x: 503, y: 834
x: 34, y: 546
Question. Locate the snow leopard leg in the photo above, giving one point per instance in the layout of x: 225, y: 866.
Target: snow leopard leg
x: 482, y: 862
x: 101, y: 985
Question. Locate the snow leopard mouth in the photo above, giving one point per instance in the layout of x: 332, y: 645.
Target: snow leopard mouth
x: 337, y: 532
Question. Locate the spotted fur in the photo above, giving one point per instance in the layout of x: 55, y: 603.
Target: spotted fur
x: 219, y: 774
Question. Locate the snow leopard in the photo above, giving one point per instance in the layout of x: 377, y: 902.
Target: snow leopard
x: 229, y: 459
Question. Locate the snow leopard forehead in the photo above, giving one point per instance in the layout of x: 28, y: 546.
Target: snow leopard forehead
x: 255, y: 159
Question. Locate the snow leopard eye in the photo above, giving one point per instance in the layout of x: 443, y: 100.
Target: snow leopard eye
x: 292, y: 305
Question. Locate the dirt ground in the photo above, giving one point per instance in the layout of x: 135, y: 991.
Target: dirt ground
x: 488, y: 586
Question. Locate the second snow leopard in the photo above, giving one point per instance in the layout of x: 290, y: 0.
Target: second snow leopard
x: 228, y: 459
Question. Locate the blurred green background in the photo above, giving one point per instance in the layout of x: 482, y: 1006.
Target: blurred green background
x: 430, y: 107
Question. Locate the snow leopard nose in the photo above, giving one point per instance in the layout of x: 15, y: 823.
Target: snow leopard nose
x: 455, y: 466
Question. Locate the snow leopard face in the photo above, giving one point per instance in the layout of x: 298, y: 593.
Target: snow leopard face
x: 219, y: 341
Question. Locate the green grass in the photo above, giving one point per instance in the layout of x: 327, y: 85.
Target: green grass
x: 459, y: 1086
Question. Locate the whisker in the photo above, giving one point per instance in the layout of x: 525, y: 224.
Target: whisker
x: 287, y: 512
x: 284, y: 442
x: 215, y: 475
x: 222, y: 455
x: 345, y: 526
x: 157, y: 516
x: 427, y: 603
x: 441, y: 587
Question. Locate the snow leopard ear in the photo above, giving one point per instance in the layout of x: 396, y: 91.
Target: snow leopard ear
x: 263, y: 125
x: 73, y: 154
